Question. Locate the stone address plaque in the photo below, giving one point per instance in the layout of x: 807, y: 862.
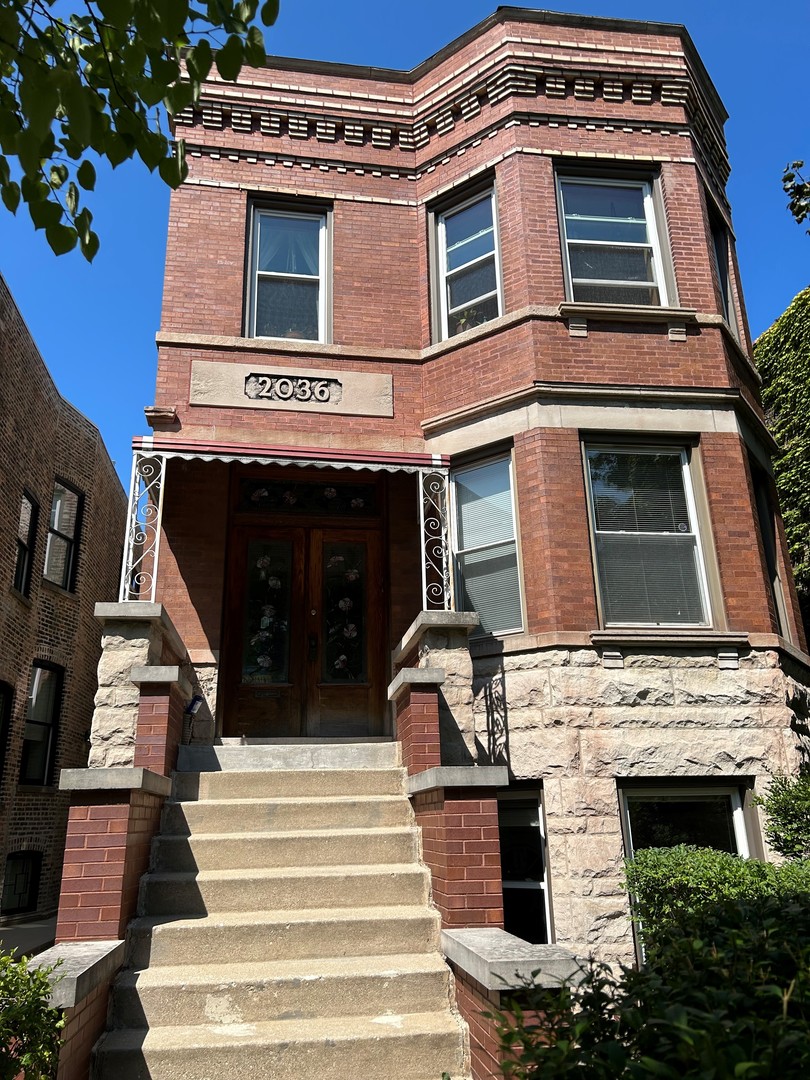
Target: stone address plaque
x: 246, y: 386
x: 283, y: 387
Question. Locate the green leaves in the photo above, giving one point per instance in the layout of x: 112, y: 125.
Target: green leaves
x: 798, y: 190
x: 30, y: 1030
x: 97, y: 83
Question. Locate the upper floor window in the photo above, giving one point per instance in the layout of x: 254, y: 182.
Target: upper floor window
x: 26, y: 534
x: 63, y: 536
x: 469, y: 270
x: 486, y: 547
x: 287, y: 288
x: 39, y: 734
x: 722, y: 267
x: 612, y: 252
x: 648, y: 556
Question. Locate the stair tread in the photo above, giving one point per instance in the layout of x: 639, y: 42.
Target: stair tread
x: 284, y: 872
x: 269, y: 970
x: 193, y: 1037
x: 398, y: 912
x: 272, y: 834
x: 291, y: 800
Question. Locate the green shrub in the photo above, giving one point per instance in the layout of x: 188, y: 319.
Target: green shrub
x: 670, y: 884
x: 725, y: 995
x: 29, y: 1027
x: 787, y: 816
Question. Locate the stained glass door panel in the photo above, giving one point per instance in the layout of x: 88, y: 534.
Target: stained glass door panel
x: 346, y: 672
x: 264, y: 660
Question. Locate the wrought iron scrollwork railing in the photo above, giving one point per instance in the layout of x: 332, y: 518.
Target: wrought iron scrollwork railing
x: 142, y: 542
x: 434, y: 510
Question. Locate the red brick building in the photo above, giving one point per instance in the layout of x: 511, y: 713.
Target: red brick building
x: 60, y: 503
x: 466, y: 339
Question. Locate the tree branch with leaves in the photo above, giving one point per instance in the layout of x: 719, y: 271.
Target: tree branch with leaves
x: 798, y: 191
x: 101, y: 83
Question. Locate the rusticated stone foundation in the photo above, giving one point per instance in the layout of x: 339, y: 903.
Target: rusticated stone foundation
x: 582, y: 719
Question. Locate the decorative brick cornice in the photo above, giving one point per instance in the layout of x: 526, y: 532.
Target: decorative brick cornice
x: 406, y: 129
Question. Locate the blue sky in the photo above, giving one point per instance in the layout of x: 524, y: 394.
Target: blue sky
x: 95, y: 325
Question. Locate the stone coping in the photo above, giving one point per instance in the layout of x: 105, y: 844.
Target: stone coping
x: 84, y: 966
x: 500, y: 961
x: 414, y: 676
x: 133, y: 610
x: 157, y: 673
x: 458, y: 776
x: 115, y: 778
x: 432, y: 620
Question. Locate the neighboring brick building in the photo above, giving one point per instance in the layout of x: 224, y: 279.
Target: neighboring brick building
x: 62, y: 509
x: 463, y: 339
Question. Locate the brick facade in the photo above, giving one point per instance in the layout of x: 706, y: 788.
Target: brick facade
x: 581, y: 705
x: 44, y: 439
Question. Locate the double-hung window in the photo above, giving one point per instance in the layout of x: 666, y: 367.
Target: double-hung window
x: 39, y: 734
x: 26, y: 534
x: 648, y: 556
x: 469, y: 270
x: 63, y: 536
x: 486, y: 546
x: 523, y: 866
x: 611, y: 247
x: 287, y: 288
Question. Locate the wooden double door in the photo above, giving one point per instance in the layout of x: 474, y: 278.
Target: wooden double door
x: 303, y: 646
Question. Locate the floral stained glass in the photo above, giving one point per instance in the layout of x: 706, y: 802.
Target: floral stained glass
x: 266, y: 641
x: 344, y: 626
x: 305, y: 497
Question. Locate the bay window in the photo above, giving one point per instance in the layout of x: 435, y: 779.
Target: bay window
x: 468, y: 270
x: 611, y: 248
x: 649, y: 564
x: 487, y: 574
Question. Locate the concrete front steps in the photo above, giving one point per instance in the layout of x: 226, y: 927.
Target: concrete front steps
x: 285, y: 929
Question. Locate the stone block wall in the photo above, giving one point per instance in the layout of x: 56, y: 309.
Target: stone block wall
x: 581, y: 727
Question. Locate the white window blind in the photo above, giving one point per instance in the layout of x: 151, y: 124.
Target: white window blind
x: 486, y: 549
x: 647, y: 551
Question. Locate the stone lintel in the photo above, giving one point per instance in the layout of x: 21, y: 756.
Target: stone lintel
x: 500, y: 961
x: 683, y: 639
x: 83, y: 965
x: 115, y: 778
x: 458, y: 776
x: 158, y: 673
x: 409, y: 677
x: 135, y: 610
x: 433, y: 620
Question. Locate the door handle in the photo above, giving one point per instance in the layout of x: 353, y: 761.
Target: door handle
x: 313, y: 646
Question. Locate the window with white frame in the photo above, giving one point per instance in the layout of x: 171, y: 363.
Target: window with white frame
x: 63, y: 536
x: 488, y: 580
x: 523, y: 866
x: 649, y: 563
x: 611, y: 247
x: 704, y: 816
x: 287, y: 288
x: 469, y: 268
